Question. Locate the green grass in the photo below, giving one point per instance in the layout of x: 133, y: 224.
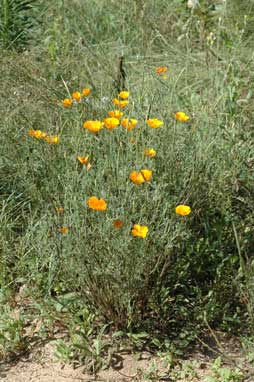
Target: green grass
x: 188, y: 269
x: 17, y: 20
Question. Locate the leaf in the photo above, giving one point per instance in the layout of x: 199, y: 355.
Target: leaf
x: 98, y: 345
x: 211, y: 379
x: 156, y: 342
x: 140, y: 335
x: 225, y: 373
x: 118, y: 334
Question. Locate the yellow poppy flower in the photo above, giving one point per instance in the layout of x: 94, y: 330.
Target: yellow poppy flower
x: 76, y: 96
x: 54, y: 139
x: 43, y: 135
x: 118, y: 223
x: 60, y: 210
x: 111, y: 123
x: 120, y: 103
x: 154, y: 123
x: 183, y: 210
x: 64, y: 230
x: 83, y: 160
x: 97, y: 204
x: 181, y: 116
x: 139, y: 230
x: 115, y: 114
x: 86, y: 92
x: 147, y: 174
x: 129, y: 124
x: 136, y: 177
x: 31, y: 132
x: 67, y: 102
x: 161, y: 70
x: 141, y: 177
x: 38, y: 134
x: 116, y: 101
x: 149, y: 152
x: 123, y: 94
x: 93, y: 126
x: 124, y: 103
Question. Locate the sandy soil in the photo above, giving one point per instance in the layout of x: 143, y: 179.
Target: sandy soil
x: 42, y: 366
x: 48, y: 370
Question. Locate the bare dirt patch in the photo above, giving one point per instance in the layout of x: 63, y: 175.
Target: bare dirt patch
x: 45, y: 368
x: 41, y: 365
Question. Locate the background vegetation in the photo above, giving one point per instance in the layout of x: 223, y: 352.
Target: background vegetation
x: 189, y: 273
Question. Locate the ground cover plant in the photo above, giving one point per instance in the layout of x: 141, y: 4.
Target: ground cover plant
x: 127, y: 174
x: 16, y: 23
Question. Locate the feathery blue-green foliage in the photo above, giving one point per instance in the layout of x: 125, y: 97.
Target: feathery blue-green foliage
x: 188, y: 271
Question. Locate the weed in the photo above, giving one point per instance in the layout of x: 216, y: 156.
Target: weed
x: 224, y: 374
x: 186, y: 371
x: 11, y: 332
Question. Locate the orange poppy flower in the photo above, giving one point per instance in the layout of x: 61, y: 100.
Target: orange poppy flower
x: 111, y: 123
x: 136, y: 177
x: 97, y: 204
x: 118, y: 223
x: 67, y: 102
x: 76, y: 96
x: 83, y: 160
x: 161, y: 70
x: 115, y: 114
x: 129, y: 124
x: 63, y: 230
x: 120, y: 103
x: 93, y: 126
x: 86, y: 92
